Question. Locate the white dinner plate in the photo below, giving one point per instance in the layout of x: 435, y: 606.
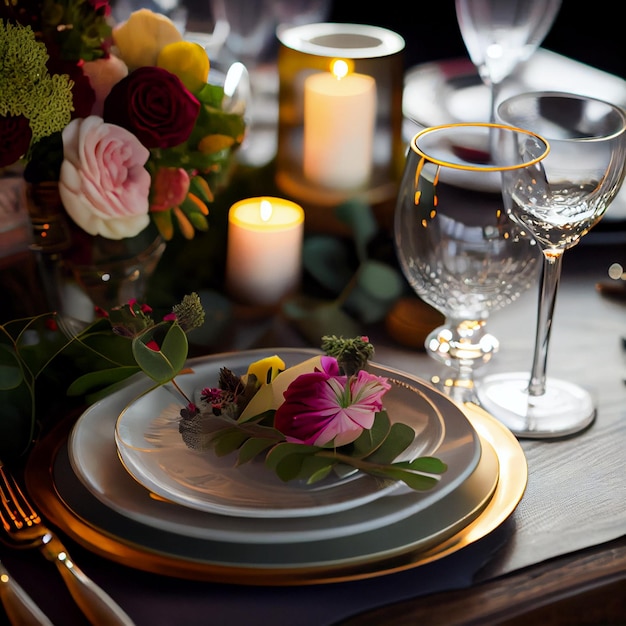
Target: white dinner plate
x: 92, y: 452
x: 153, y: 452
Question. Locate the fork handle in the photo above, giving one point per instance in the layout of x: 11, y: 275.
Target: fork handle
x: 18, y: 605
x: 93, y: 601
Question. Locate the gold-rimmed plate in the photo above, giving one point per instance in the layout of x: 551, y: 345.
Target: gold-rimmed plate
x: 65, y: 501
x: 152, y: 450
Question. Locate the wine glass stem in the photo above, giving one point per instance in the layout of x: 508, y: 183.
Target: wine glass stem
x: 550, y: 277
x: 495, y: 94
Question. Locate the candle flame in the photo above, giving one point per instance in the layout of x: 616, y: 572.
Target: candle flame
x: 266, y: 211
x: 339, y: 68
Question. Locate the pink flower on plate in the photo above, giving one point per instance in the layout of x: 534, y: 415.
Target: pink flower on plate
x: 324, y: 406
x: 103, y: 184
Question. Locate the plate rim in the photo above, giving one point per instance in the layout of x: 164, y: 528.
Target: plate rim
x: 509, y: 491
x: 424, y: 389
x: 211, y: 527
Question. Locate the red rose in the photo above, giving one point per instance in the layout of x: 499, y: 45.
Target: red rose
x: 154, y: 105
x: 15, y: 136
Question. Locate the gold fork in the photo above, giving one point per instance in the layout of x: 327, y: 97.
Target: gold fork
x: 24, y: 529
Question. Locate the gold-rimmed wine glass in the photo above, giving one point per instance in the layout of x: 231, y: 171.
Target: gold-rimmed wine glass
x: 456, y: 246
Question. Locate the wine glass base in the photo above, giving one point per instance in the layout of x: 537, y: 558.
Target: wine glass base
x: 563, y: 410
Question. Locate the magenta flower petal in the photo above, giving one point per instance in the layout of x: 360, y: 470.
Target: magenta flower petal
x: 323, y: 407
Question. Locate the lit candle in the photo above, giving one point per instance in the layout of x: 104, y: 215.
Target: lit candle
x: 264, y: 254
x: 339, y: 122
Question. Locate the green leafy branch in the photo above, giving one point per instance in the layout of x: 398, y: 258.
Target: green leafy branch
x: 374, y: 451
x: 37, y: 359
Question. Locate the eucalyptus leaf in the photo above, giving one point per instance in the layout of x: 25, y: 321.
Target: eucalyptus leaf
x: 251, y: 448
x: 314, y: 472
x: 360, y: 218
x: 290, y: 466
x: 327, y: 260
x: 228, y: 441
x: 369, y: 440
x: 92, y: 381
x: 419, y: 482
x: 164, y: 364
x: 285, y: 449
x: 400, y: 437
x: 428, y: 464
x: 377, y: 288
x: 314, y: 319
x: 11, y: 375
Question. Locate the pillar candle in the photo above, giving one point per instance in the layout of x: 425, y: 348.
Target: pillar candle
x: 264, y: 253
x: 339, y: 123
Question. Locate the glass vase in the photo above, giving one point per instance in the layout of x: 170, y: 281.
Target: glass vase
x: 82, y: 272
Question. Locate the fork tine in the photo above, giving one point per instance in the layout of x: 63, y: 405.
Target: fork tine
x: 18, y: 511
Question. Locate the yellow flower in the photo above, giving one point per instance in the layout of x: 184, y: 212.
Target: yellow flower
x: 266, y: 369
x: 188, y: 60
x: 142, y: 36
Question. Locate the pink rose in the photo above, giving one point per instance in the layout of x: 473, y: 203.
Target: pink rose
x: 103, y: 74
x: 154, y: 105
x: 323, y: 406
x: 103, y: 183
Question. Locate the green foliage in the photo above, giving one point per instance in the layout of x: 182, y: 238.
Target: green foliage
x: 358, y: 289
x: 36, y: 357
x: 374, y: 452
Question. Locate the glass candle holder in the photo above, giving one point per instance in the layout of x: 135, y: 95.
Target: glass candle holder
x: 340, y: 116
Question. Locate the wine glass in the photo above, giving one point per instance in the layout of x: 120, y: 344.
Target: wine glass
x: 501, y: 34
x: 456, y: 246
x: 580, y: 177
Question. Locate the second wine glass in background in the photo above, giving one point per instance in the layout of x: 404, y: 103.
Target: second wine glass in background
x: 574, y: 186
x: 501, y: 34
x: 250, y: 27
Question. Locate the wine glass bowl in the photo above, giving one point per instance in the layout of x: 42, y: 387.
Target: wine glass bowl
x: 455, y: 244
x: 578, y: 180
x: 501, y: 34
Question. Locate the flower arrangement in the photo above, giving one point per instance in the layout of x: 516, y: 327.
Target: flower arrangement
x: 121, y: 116
x: 324, y: 414
x: 40, y: 366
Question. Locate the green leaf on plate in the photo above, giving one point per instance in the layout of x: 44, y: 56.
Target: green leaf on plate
x: 400, y: 437
x: 251, y: 448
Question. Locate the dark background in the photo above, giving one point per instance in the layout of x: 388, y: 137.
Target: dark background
x: 594, y: 34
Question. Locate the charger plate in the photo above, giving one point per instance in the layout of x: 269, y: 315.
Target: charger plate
x: 72, y: 508
x: 153, y: 452
x: 92, y: 450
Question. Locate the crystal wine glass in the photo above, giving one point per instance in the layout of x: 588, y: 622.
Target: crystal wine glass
x: 501, y: 34
x: 579, y: 179
x: 454, y: 241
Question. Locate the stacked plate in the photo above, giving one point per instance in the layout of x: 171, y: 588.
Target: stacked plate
x: 216, y: 520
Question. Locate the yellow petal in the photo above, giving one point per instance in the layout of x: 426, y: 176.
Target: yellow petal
x: 266, y: 369
x: 271, y: 396
x: 215, y: 143
x: 188, y: 60
x: 142, y: 36
x: 186, y: 227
